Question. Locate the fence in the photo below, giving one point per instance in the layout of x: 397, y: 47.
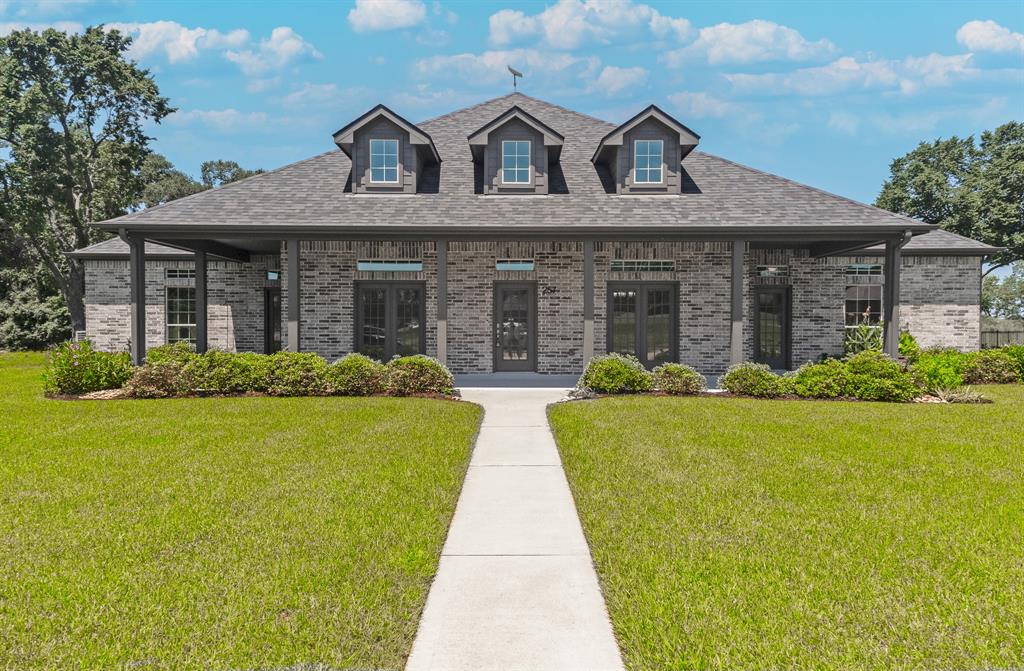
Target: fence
x: 990, y: 339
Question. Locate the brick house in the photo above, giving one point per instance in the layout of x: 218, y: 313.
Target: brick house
x: 516, y: 235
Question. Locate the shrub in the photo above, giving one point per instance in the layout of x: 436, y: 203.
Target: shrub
x: 222, y: 372
x: 964, y: 395
x: 865, y: 337
x: 1017, y: 353
x: 356, y: 375
x: 418, y: 374
x: 76, y: 368
x: 616, y: 374
x: 297, y: 374
x: 939, y: 369
x: 753, y: 379
x: 876, y: 377
x: 162, y: 379
x: 909, y: 349
x: 178, y: 351
x: 828, y: 379
x: 990, y: 366
x: 675, y: 378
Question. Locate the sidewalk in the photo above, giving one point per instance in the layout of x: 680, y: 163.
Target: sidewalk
x: 515, y: 589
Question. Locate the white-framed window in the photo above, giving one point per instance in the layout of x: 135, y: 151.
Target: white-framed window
x: 384, y: 161
x: 181, y: 314
x: 515, y: 162
x: 863, y: 305
x: 864, y: 269
x: 649, y: 158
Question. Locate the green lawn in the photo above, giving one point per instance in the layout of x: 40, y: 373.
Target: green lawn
x: 744, y: 534
x: 234, y: 533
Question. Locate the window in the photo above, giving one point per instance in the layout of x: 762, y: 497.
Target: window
x: 390, y: 265
x: 642, y: 321
x: 179, y: 273
x: 513, y: 264
x: 515, y: 162
x: 181, y: 314
x: 384, y: 161
x: 773, y: 271
x: 273, y: 275
x: 389, y: 319
x: 649, y: 155
x: 863, y: 305
x: 864, y: 269
x: 642, y: 266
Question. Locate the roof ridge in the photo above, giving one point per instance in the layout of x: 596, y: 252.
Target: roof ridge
x: 873, y: 208
x: 566, y: 109
x: 466, y: 109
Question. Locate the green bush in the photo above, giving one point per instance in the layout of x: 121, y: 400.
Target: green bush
x: 76, y: 368
x: 754, y: 379
x: 876, y: 377
x: 936, y: 370
x: 677, y: 379
x: 357, y: 375
x: 164, y: 378
x: 222, y: 372
x: 178, y: 351
x: 616, y: 374
x: 297, y: 374
x: 909, y: 349
x: 1017, y: 353
x: 828, y: 379
x: 418, y: 374
x: 990, y: 366
x: 865, y: 337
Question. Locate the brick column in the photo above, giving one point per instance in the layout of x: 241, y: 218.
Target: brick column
x: 294, y: 310
x: 736, y: 303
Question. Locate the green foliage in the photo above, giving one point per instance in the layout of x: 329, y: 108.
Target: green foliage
x: 163, y: 378
x: 178, y: 351
x: 990, y: 366
x: 164, y: 183
x: 418, y: 374
x: 76, y: 368
x: 828, y: 379
x: 865, y: 337
x: 219, y: 372
x: 32, y: 311
x: 1004, y: 297
x: 753, y: 379
x: 218, y: 173
x: 909, y: 349
x: 876, y: 377
x: 961, y: 395
x: 616, y: 374
x: 357, y: 375
x: 937, y: 370
x: 1016, y: 352
x: 677, y: 379
x: 297, y: 374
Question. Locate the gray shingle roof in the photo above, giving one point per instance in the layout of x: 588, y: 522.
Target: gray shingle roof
x: 116, y: 248
x: 311, y: 194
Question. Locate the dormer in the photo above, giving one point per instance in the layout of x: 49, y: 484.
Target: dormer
x: 513, y: 153
x: 388, y: 153
x: 644, y: 155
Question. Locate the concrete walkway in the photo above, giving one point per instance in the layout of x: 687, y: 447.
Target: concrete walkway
x: 516, y: 589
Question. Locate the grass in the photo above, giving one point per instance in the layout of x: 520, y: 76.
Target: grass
x: 231, y: 533
x: 744, y: 534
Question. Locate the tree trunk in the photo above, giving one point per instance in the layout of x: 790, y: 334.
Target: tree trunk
x: 74, y: 294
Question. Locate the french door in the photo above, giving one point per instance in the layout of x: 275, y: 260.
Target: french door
x: 515, y: 326
x: 643, y: 320
x: 772, y: 326
x: 389, y: 319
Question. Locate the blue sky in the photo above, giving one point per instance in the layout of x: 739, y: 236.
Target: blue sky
x: 823, y: 93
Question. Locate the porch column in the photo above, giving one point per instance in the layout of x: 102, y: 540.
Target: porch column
x: 137, y: 296
x: 588, y: 301
x: 891, y: 298
x: 293, y: 295
x: 442, y: 301
x: 736, y: 339
x: 201, y: 328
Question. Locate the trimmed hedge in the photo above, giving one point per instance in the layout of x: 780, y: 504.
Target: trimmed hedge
x: 939, y: 370
x: 417, y: 374
x: 76, y: 368
x: 754, y: 379
x: 677, y: 379
x: 990, y: 366
x: 616, y: 374
x: 357, y: 375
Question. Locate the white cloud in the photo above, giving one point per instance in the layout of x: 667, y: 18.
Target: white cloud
x: 751, y: 42
x: 176, y: 41
x: 844, y: 122
x: 47, y: 7
x: 989, y: 36
x: 8, y: 27
x: 614, y: 80
x: 369, y: 15
x: 311, y: 94
x: 700, y: 105
x: 282, y: 48
x: 225, y: 120
x: 489, y: 67
x: 570, y: 23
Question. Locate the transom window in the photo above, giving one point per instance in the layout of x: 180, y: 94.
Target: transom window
x: 864, y: 269
x: 515, y: 162
x: 863, y: 305
x: 180, y: 273
x: 390, y: 265
x: 389, y: 319
x: 649, y: 155
x: 181, y: 314
x: 513, y: 264
x: 773, y: 271
x: 643, y: 266
x: 384, y: 161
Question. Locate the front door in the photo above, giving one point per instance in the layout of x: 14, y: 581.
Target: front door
x: 271, y: 320
x: 772, y: 326
x: 389, y: 319
x: 642, y: 321
x: 515, y: 326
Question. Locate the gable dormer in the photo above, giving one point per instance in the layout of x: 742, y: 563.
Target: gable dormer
x: 644, y: 155
x: 513, y: 153
x: 389, y: 154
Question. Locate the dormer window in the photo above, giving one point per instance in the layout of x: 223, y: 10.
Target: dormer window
x: 515, y: 161
x: 649, y: 155
x: 384, y: 161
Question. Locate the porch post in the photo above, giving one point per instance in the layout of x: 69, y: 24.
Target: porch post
x: 736, y: 340
x: 293, y: 295
x: 442, y: 300
x: 891, y: 298
x: 201, y: 328
x: 137, y: 297
x: 588, y: 301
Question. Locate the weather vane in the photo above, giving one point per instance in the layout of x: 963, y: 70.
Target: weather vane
x: 516, y: 74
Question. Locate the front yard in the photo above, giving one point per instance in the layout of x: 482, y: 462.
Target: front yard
x: 733, y: 533
x: 230, y: 533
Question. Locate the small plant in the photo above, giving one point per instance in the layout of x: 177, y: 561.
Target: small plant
x: 357, y: 375
x: 77, y: 368
x: 1016, y: 352
x: 876, y: 377
x: 828, y: 379
x: 677, y: 379
x: 616, y: 374
x: 297, y: 374
x: 909, y: 349
x: 418, y: 374
x: 177, y: 351
x: 864, y: 337
x: 963, y: 395
x: 753, y: 379
x: 163, y: 379
x: 938, y: 369
x: 990, y: 366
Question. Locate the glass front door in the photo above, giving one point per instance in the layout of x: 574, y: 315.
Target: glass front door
x: 771, y: 327
x: 642, y: 321
x: 272, y: 320
x: 515, y: 324
x: 389, y: 320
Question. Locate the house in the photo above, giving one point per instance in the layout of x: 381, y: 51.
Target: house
x: 517, y: 235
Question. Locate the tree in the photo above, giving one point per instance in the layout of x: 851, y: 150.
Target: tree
x: 72, y: 111
x: 164, y: 183
x: 1004, y: 298
x: 972, y: 189
x: 32, y: 311
x: 220, y: 172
